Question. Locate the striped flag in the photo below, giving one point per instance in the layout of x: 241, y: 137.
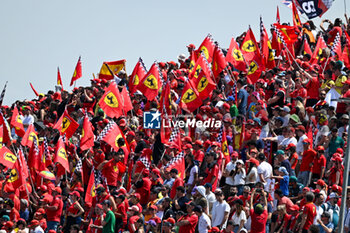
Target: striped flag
x: 3, y: 94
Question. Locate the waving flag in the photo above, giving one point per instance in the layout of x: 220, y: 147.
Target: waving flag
x: 306, y: 47
x: 296, y: 18
x: 265, y: 47
x: 35, y: 92
x: 235, y: 57
x: 137, y: 74
x: 16, y: 178
x: 34, y: 156
x: 59, y: 80
x: 29, y: 136
x: 110, y: 102
x: 126, y: 101
x: 61, y: 155
x: 177, y: 162
x: 336, y: 47
x: 219, y: 63
x: 207, y: 47
x: 87, y: 135
x: 288, y: 33
x: 320, y: 45
x: 111, y: 134
x: 3, y: 94
x: 151, y: 83
x: 16, y: 122
x: 223, y: 140
x: 346, y: 51
x: 114, y: 66
x: 314, y: 8
x: 66, y: 125
x: 190, y: 98
x: 253, y: 57
x: 278, y: 19
x: 6, y: 131
x: 77, y: 72
x: 91, y: 188
x: 7, y: 158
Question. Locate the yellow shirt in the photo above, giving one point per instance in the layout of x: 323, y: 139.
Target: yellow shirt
x: 339, y: 82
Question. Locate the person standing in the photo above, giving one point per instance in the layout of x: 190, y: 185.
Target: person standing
x: 54, y: 210
x: 220, y: 211
x: 109, y: 222
x: 309, y: 213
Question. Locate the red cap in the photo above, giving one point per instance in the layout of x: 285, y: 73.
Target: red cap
x: 226, y: 106
x: 307, y: 189
x: 254, y: 161
x: 192, y: 46
x: 234, y: 154
x: 337, y: 159
x: 170, y: 220
x: 9, y: 224
x: 310, y: 110
x: 306, y: 140
x: 334, y: 187
x: 33, y: 223
x: 187, y: 139
x: 122, y: 122
x: 156, y: 171
x: 137, y: 196
x: 75, y: 193
x: 131, y: 133
x: 290, y: 145
x: 99, y: 206
x: 320, y: 183
x: 214, y: 229
x: 43, y: 188
x: 340, y: 151
x: 301, y: 128
x: 320, y: 148
x: 153, y: 207
x: 41, y: 211
x: 198, y: 142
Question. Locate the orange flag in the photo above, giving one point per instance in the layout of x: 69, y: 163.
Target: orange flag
x: 296, y: 18
x: 77, y: 72
x: 61, y: 155
x: 320, y: 45
x: 111, y: 102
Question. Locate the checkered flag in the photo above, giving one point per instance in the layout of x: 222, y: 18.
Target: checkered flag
x: 36, y: 145
x: 336, y: 44
x: 104, y: 132
x: 143, y: 65
x: 98, y: 176
x: 174, y: 133
x: 221, y: 133
x: 145, y: 162
x: 279, y: 34
x: 160, y: 73
x: 262, y: 31
x: 175, y: 159
x: 3, y: 94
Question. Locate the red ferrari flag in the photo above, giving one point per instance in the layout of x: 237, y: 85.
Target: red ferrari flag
x: 35, y: 92
x: 289, y: 33
x: 190, y: 98
x: 235, y: 57
x: 177, y: 162
x: 7, y: 158
x: 137, y: 74
x: 296, y: 18
x: 29, y: 136
x: 151, y: 83
x: 34, y: 157
x: 265, y: 47
x: 87, y: 135
x: 6, y: 131
x: 125, y: 96
x: 66, y: 125
x: 59, y: 80
x: 61, y: 155
x: 77, y: 72
x: 219, y: 63
x: 16, y: 178
x: 346, y: 51
x: 207, y: 47
x: 336, y: 47
x: 320, y: 45
x: 114, y: 66
x: 23, y: 164
x: 91, y: 188
x: 252, y: 55
x: 204, y: 84
x: 111, y: 102
x: 16, y: 122
x: 278, y: 19
x: 111, y: 134
x: 306, y: 47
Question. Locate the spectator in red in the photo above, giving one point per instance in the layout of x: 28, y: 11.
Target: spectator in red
x: 309, y: 213
x: 211, y: 171
x: 187, y: 223
x: 319, y: 167
x: 306, y: 162
x: 120, y: 213
x: 54, y: 210
x: 177, y: 182
x: 258, y: 213
x: 97, y: 224
x: 335, y: 174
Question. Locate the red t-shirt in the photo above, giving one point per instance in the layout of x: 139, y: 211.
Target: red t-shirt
x: 295, y: 157
x: 111, y: 172
x: 259, y: 222
x: 308, y: 156
x: 145, y: 190
x: 122, y: 210
x: 178, y: 182
x: 244, y: 199
x: 212, y: 172
x: 333, y: 33
x: 190, y: 228
x: 98, y: 222
x: 132, y: 220
x: 318, y: 164
x: 55, y: 215
x: 299, y: 92
x: 312, y: 88
x: 310, y: 212
x: 199, y: 155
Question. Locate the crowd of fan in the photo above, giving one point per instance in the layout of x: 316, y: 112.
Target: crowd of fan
x: 284, y: 172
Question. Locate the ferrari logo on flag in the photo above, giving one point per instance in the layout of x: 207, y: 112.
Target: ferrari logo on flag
x: 198, y: 70
x: 203, y: 83
x: 189, y: 96
x: 191, y: 66
x: 13, y: 175
x: 224, y: 148
x: 117, y: 138
x: 111, y: 100
x: 237, y: 55
x: 253, y: 67
x: 82, y: 133
x: 249, y: 46
x: 31, y: 137
x: 136, y: 80
x: 19, y: 120
x: 151, y: 82
x: 62, y: 153
x: 205, y: 52
x: 65, y: 124
x: 93, y: 191
x: 10, y: 157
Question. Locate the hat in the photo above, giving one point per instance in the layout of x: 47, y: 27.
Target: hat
x: 286, y: 109
x: 346, y: 82
x: 58, y: 190
x: 208, y: 185
x: 340, y: 151
x: 293, y: 179
x: 151, y: 222
x: 134, y: 208
x: 307, y: 141
x: 9, y: 224
x: 240, y: 161
x: 280, y: 152
x: 259, y: 209
x: 254, y: 161
x: 156, y: 171
x: 280, y: 119
x: 300, y: 128
x: 345, y: 116
x: 290, y: 145
x: 234, y: 154
x: 122, y: 122
x: 214, y: 229
x: 131, y: 133
x: 153, y: 207
x: 198, y: 142
x: 6, y: 217
x: 201, y: 190
x: 192, y: 46
x: 230, y: 98
x: 181, y: 57
x: 198, y: 208
x: 306, y: 189
x: 333, y: 195
x: 337, y: 159
x: 218, y: 191
x: 171, y: 220
x: 295, y: 118
x: 320, y: 148
x: 137, y: 196
x: 238, y: 201
x: 320, y: 182
x: 33, y: 223
x: 283, y: 170
x: 43, y: 188
x: 75, y: 193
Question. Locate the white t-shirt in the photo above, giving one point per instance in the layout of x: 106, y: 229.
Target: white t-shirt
x: 210, y: 198
x: 253, y: 174
x: 27, y: 120
x: 237, y: 219
x: 230, y: 167
x: 299, y: 146
x: 193, y: 172
x: 239, y: 178
x: 286, y: 141
x: 203, y: 223
x: 217, y: 213
x: 266, y: 170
